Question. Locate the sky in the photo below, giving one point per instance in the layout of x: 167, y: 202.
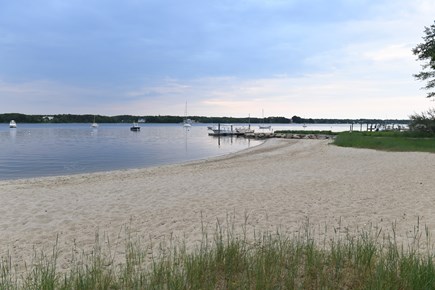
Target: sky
x: 236, y: 58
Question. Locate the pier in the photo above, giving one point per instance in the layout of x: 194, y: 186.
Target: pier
x: 288, y: 136
x: 266, y: 135
x: 226, y: 134
x: 227, y: 130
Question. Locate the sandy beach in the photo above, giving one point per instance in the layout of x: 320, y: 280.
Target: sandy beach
x: 278, y: 184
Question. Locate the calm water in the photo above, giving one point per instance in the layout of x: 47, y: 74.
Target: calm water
x: 33, y: 150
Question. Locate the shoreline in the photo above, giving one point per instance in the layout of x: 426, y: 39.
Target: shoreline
x: 280, y: 183
x: 129, y: 169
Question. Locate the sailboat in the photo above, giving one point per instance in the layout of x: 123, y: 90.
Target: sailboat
x: 244, y: 130
x: 264, y: 126
x: 94, y: 125
x: 186, y: 122
x: 12, y: 124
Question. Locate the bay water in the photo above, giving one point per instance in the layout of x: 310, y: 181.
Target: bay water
x: 36, y: 150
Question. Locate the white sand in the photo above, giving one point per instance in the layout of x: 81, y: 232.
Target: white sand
x: 277, y: 184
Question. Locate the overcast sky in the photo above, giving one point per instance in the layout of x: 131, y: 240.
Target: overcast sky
x: 311, y: 58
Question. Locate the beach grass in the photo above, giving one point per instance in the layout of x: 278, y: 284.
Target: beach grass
x: 388, y: 141
x: 369, y: 259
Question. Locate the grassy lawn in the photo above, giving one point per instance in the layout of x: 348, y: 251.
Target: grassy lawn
x: 388, y: 141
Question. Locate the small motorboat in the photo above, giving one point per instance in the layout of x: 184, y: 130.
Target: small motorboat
x: 12, y: 124
x: 135, y: 127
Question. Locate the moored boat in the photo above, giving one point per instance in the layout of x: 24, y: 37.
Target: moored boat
x: 135, y: 127
x: 94, y: 124
x: 264, y: 126
x: 244, y: 130
x: 187, y: 123
x: 12, y: 124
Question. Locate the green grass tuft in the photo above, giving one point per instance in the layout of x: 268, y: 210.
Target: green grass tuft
x: 368, y: 260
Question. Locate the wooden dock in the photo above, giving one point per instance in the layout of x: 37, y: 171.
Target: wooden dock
x: 266, y: 135
x: 225, y: 130
x: 226, y: 134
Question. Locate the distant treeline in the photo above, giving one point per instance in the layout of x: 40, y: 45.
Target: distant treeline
x: 71, y: 118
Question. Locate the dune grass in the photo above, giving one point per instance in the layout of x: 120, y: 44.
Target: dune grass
x: 368, y: 260
x: 388, y: 141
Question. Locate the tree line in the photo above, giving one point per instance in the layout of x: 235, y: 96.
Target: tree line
x: 87, y: 118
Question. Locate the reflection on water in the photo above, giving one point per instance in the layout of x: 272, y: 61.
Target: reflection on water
x: 56, y: 149
x: 13, y: 134
x: 186, y: 132
x: 230, y: 140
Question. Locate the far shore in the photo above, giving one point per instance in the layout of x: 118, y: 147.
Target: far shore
x: 281, y: 183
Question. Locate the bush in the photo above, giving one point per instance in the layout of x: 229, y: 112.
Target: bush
x: 424, y: 122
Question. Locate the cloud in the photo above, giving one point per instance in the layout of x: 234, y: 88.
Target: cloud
x: 48, y: 97
x: 333, y: 95
x: 393, y: 52
x: 316, y: 58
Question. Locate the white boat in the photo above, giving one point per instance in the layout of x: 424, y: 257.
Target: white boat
x: 12, y: 124
x: 244, y: 130
x: 186, y: 122
x: 264, y: 126
x: 135, y: 127
x: 94, y: 125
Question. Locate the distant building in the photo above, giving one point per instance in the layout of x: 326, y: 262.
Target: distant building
x: 141, y: 120
x: 47, y: 118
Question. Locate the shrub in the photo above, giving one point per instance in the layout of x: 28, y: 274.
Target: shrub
x: 424, y: 122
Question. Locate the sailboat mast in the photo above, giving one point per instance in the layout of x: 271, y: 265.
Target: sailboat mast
x: 186, y: 122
